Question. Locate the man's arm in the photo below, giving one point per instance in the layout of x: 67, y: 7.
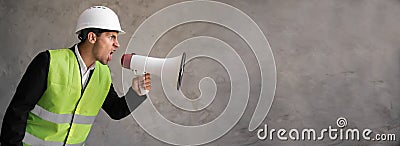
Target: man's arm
x: 118, y: 108
x: 29, y: 90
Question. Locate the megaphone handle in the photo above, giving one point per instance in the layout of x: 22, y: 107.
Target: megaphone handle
x: 143, y: 91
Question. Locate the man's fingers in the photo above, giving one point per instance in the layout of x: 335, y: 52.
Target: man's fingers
x: 147, y: 76
x: 146, y: 84
x: 146, y: 81
x: 148, y: 87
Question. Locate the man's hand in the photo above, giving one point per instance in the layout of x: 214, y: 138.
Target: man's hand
x: 141, y: 83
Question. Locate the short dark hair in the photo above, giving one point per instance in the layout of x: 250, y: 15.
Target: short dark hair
x: 84, y: 33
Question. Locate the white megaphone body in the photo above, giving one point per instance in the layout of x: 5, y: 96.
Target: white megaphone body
x: 170, y: 68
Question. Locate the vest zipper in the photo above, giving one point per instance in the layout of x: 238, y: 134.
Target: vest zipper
x: 73, y: 115
x: 76, y: 106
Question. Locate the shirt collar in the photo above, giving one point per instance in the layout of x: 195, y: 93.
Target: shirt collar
x: 82, y: 64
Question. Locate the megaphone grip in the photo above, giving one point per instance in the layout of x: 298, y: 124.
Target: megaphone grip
x: 143, y: 91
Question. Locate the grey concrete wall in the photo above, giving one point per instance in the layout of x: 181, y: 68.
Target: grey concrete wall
x: 334, y: 58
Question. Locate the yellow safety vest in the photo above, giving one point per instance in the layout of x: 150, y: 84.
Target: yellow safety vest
x: 65, y: 114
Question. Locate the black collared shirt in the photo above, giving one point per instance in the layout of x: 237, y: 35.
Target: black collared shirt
x: 32, y: 86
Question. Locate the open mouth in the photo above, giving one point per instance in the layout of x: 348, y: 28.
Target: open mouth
x: 110, y: 56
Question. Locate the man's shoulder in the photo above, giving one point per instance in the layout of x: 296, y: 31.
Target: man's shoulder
x: 43, y: 56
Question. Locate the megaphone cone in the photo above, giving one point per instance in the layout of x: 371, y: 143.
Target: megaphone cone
x: 171, y: 68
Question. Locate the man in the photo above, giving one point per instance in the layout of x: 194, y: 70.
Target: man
x: 62, y: 90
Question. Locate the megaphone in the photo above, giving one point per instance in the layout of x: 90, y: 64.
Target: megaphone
x: 172, y: 68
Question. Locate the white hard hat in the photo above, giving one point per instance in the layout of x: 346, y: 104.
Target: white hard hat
x: 98, y: 17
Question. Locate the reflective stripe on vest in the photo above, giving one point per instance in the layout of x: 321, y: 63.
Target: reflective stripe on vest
x: 61, y: 118
x: 64, y: 115
x: 32, y: 140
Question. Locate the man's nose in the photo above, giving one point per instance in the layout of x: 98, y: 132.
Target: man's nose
x: 116, y: 43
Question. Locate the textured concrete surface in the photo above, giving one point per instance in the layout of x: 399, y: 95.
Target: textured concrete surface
x: 334, y: 58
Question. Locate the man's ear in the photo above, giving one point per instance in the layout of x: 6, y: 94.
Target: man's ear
x: 91, y: 37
